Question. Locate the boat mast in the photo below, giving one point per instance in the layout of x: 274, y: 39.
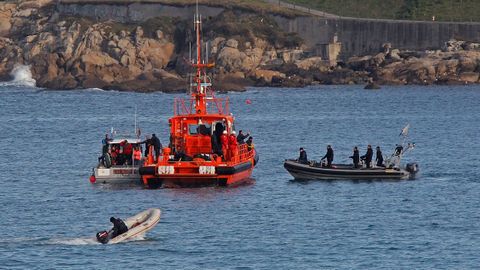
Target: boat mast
x: 200, y: 93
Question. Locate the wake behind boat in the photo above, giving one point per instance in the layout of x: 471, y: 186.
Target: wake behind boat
x: 302, y: 169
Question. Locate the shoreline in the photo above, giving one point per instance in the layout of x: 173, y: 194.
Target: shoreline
x: 247, y: 49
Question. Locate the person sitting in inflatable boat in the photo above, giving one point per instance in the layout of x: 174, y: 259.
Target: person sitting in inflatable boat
x: 119, y: 228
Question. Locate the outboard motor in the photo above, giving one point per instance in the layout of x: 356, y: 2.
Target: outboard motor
x: 412, y: 168
x: 103, y: 237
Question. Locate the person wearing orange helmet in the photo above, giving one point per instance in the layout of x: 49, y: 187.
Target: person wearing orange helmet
x: 232, y: 145
x: 224, y: 141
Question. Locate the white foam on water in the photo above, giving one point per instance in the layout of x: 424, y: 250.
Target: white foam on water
x: 94, y: 90
x: 22, y: 76
x: 75, y: 241
x: 89, y: 241
x: 140, y: 237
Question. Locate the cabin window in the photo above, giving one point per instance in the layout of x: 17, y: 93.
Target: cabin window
x: 203, y: 129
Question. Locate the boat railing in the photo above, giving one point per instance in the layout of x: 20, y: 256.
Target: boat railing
x: 244, y: 153
x: 215, y: 105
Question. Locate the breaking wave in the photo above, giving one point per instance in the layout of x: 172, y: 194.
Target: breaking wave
x: 22, y: 76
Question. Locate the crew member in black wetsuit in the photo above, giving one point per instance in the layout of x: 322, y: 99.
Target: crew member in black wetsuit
x: 303, y: 156
x: 355, y: 157
x: 148, y: 142
x: 368, y: 156
x: 119, y: 227
x: 157, y: 145
x: 249, y: 142
x: 241, y: 137
x: 379, y: 157
x: 329, y: 156
x: 398, y: 150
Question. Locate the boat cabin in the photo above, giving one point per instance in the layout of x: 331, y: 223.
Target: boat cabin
x: 115, y: 149
x: 198, y: 135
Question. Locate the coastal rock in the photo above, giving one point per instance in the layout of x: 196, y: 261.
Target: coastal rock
x: 311, y: 63
x: 359, y: 63
x: 231, y: 82
x: 6, y: 11
x: 290, y: 56
x: 216, y: 44
x: 25, y: 12
x: 35, y: 4
x: 268, y: 75
x: 44, y: 68
x: 97, y: 59
x: 232, y: 43
x: 469, y: 77
x: 269, y: 57
x: 155, y: 52
x: 230, y: 59
x: 150, y: 82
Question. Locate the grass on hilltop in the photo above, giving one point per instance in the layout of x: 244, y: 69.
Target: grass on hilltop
x: 443, y: 10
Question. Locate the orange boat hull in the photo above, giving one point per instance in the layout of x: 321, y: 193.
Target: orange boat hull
x: 185, y: 181
x: 188, y: 174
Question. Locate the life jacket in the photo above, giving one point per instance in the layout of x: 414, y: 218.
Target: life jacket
x: 114, y: 153
x: 137, y: 155
x: 127, y: 149
x: 232, y: 141
x: 224, y: 140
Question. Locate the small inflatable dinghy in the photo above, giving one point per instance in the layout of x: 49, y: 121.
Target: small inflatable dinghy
x: 137, y: 226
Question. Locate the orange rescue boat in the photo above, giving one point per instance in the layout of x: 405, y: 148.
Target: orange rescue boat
x: 203, y: 149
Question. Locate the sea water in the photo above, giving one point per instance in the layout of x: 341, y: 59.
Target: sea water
x: 50, y: 141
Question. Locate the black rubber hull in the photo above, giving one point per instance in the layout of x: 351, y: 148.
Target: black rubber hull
x: 307, y: 172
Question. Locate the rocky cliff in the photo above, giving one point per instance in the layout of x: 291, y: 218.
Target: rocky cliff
x: 248, y: 48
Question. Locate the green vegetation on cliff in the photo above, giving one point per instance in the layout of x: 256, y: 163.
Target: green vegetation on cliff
x: 442, y: 10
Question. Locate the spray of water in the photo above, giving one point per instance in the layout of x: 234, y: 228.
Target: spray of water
x: 22, y: 76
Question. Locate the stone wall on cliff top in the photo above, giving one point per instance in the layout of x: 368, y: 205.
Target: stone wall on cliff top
x: 363, y: 36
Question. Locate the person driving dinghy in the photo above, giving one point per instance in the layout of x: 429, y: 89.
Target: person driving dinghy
x: 119, y: 227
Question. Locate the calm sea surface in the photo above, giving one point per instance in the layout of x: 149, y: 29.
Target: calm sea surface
x: 50, y: 212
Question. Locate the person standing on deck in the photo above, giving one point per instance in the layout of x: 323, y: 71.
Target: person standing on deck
x: 355, y: 157
x: 329, y: 156
x: 379, y: 157
x: 137, y: 155
x: 224, y: 141
x: 303, y: 156
x: 233, y: 145
x: 157, y: 145
x: 105, y: 142
x: 368, y: 156
x: 241, y: 137
x: 148, y: 142
x: 250, y: 144
x: 127, y: 151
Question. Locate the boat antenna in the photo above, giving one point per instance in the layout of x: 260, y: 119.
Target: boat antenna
x: 135, y: 120
x: 200, y: 93
x: 197, y: 13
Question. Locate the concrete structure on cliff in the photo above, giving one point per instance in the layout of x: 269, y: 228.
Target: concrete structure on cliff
x: 323, y: 35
